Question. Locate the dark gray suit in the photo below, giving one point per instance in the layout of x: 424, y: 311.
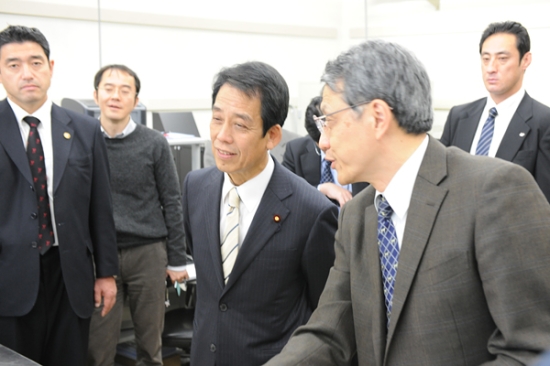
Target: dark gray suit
x: 301, y: 158
x: 473, y: 284
x: 526, y: 141
x: 278, y: 276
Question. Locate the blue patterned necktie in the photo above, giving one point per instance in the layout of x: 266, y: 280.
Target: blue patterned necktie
x: 326, y: 173
x: 37, y: 163
x: 487, y: 134
x: 389, y: 251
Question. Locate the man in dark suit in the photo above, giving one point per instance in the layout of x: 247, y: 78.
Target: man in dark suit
x: 261, y: 237
x: 445, y: 258
x: 56, y: 221
x: 519, y: 128
x: 304, y: 158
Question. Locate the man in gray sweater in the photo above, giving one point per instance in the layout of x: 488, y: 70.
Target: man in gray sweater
x: 148, y: 218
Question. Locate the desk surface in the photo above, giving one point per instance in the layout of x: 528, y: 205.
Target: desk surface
x: 11, y: 358
x: 183, y: 139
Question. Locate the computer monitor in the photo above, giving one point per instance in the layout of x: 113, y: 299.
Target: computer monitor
x: 181, y: 122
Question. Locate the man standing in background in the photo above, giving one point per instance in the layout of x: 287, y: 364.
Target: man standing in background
x: 56, y: 219
x: 508, y: 124
x: 148, y: 220
x: 304, y: 158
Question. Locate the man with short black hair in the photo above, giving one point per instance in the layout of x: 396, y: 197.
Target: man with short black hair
x: 148, y: 220
x: 261, y: 237
x: 508, y: 124
x: 57, y: 235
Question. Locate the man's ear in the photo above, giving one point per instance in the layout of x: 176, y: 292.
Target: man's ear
x: 382, y: 115
x: 274, y: 136
x: 95, y: 97
x: 526, y: 61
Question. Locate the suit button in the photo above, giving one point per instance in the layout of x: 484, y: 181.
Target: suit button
x: 34, y: 244
x: 34, y: 215
x: 212, y: 347
x: 223, y: 307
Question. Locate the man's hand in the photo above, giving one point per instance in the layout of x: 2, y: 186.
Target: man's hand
x: 335, y: 192
x: 105, y: 288
x: 177, y: 276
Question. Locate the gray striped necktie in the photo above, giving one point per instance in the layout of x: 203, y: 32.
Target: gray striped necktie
x: 230, y: 237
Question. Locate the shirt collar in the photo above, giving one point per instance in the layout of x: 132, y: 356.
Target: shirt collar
x: 130, y: 127
x: 399, y: 190
x: 509, y: 104
x: 251, y: 191
x: 43, y: 113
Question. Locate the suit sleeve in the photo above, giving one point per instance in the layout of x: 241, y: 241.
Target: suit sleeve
x: 446, y: 137
x: 169, y: 194
x: 102, y: 225
x: 512, y: 248
x: 185, y: 209
x: 318, y: 255
x: 328, y: 338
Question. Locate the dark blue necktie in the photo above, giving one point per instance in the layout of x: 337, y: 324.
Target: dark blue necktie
x: 389, y: 251
x: 326, y: 173
x: 487, y: 134
x: 35, y: 153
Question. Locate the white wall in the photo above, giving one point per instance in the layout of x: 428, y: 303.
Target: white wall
x: 177, y: 46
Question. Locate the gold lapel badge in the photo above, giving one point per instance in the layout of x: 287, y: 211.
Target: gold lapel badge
x: 276, y: 218
x: 67, y: 136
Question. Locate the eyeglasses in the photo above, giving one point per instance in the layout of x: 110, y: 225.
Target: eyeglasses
x: 321, y: 122
x: 123, y: 91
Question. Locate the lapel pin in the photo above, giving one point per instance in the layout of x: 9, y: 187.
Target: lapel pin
x: 521, y: 134
x: 67, y: 135
x: 276, y: 218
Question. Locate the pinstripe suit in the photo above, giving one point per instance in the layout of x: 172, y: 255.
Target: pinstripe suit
x: 473, y: 282
x: 278, y: 276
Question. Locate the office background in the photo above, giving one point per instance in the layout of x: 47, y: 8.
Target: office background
x: 177, y: 46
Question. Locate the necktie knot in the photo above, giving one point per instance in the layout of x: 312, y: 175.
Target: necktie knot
x: 32, y: 121
x: 233, y: 199
x: 493, y: 112
x: 384, y: 208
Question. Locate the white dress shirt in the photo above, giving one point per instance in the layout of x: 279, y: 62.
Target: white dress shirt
x: 250, y: 194
x: 506, y: 110
x: 398, y: 193
x: 44, y: 114
x: 130, y: 127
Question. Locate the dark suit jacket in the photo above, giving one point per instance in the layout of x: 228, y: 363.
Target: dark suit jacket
x: 82, y: 205
x: 302, y: 159
x: 473, y: 282
x: 279, y: 274
x: 526, y: 141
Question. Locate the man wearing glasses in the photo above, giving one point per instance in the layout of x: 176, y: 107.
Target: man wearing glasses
x: 148, y: 219
x: 304, y: 158
x: 445, y: 258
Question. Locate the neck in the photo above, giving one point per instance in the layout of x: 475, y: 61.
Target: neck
x: 114, y: 128
x: 396, y: 153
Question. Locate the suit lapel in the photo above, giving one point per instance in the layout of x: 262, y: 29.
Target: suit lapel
x: 212, y: 191
x: 10, y: 139
x: 62, y: 140
x: 426, y: 200
x: 263, y: 225
x: 517, y: 130
x: 467, y: 125
x: 311, y: 164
